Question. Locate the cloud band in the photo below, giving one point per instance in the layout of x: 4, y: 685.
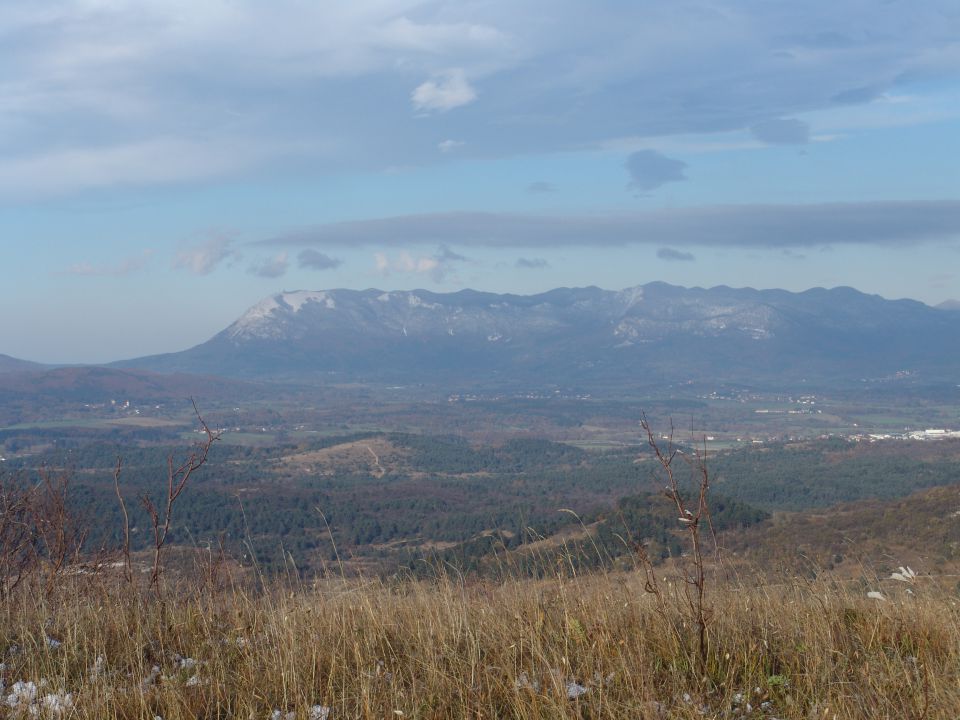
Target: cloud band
x: 749, y: 226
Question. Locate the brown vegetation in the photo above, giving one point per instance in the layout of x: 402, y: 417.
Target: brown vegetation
x: 376, y: 455
x: 921, y: 529
x: 587, y: 647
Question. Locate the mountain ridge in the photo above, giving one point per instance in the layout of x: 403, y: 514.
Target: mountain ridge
x: 10, y: 364
x: 587, y: 336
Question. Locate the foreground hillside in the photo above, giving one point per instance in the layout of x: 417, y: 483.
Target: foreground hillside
x: 589, y: 647
x: 920, y: 528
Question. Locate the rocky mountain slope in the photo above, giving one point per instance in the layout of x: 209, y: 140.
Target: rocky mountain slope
x: 655, y: 333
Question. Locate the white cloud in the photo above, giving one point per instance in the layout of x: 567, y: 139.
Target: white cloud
x: 273, y: 267
x: 781, y: 131
x: 407, y: 263
x: 649, y: 169
x: 99, y: 94
x: 446, y: 91
x: 437, y: 266
x: 206, y: 257
x: 879, y: 223
x: 889, y: 111
x: 673, y: 255
x: 150, y: 162
x: 531, y: 263
x: 316, y: 260
x: 110, y: 94
x: 450, y: 145
x: 440, y: 38
x: 124, y: 266
x: 541, y: 187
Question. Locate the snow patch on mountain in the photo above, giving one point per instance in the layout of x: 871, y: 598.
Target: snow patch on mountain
x: 414, y: 300
x: 637, y: 315
x: 296, y: 300
x: 267, y: 319
x: 631, y: 296
x: 257, y: 319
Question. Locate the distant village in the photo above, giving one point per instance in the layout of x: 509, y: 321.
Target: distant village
x: 928, y: 434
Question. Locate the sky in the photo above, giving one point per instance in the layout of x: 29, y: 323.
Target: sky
x: 165, y: 164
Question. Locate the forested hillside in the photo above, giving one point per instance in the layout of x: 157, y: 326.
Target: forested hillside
x: 387, y: 501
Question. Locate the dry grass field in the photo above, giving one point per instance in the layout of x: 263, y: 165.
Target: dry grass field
x: 590, y: 646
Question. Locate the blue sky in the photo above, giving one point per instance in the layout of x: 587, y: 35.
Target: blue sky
x: 165, y: 164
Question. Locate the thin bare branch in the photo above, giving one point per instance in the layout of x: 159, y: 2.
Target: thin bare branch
x: 127, y: 567
x: 693, y: 587
x: 178, y: 476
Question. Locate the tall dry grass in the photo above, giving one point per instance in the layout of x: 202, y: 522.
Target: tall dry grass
x: 591, y: 646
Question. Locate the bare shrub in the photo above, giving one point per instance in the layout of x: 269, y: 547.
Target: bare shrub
x: 40, y: 534
x: 693, y: 511
x: 17, y: 534
x: 60, y: 531
x: 178, y: 475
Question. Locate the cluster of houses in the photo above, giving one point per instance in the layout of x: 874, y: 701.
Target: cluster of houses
x: 928, y: 434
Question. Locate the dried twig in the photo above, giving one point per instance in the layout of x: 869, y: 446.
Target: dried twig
x: 17, y: 535
x: 127, y: 567
x: 694, y: 586
x: 177, y: 478
x: 60, y: 536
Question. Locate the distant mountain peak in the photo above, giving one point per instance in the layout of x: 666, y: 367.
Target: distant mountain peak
x: 654, y: 333
x: 264, y: 319
x: 949, y: 305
